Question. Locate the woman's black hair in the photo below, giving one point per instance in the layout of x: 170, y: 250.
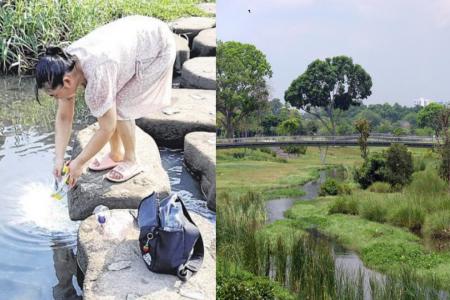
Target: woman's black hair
x: 52, y: 67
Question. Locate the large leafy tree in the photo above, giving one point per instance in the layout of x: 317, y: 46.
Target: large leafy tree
x: 429, y: 116
x: 242, y: 71
x: 330, y: 84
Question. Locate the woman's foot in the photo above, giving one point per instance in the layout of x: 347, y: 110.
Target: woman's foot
x: 124, y: 171
x: 107, y: 162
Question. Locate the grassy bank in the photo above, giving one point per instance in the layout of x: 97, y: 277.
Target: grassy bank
x: 242, y: 170
x: 27, y: 26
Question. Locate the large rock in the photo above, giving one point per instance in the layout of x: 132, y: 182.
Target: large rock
x: 183, y: 52
x: 200, y: 158
x: 114, y: 268
x: 191, y: 110
x: 191, y: 26
x: 205, y: 43
x: 209, y: 8
x: 93, y: 189
x: 199, y: 72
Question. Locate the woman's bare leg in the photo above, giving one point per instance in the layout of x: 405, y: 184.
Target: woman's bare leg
x: 116, y: 146
x: 126, y: 130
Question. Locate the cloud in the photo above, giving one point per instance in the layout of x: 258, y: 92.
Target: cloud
x: 442, y: 13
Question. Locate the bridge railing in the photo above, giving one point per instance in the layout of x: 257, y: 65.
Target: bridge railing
x: 327, y: 138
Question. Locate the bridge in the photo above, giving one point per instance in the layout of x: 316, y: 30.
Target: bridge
x: 322, y: 140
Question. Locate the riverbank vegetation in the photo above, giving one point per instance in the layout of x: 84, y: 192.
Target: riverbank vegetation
x: 27, y: 27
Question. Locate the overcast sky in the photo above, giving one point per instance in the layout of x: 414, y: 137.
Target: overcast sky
x: 403, y: 44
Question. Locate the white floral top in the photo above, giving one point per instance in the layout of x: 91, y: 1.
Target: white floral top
x: 122, y: 61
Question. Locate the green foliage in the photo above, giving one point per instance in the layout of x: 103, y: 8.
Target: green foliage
x: 411, y: 217
x: 399, y: 131
x: 374, y: 211
x: 329, y: 84
x: 380, y: 187
x: 260, y: 154
x: 371, y: 171
x: 429, y: 116
x: 291, y: 149
x: 329, y: 187
x: 289, y: 127
x: 437, y: 225
x: 399, y: 165
x: 242, y: 71
x: 363, y: 127
x: 244, y: 286
x: 344, y: 205
x: 27, y: 26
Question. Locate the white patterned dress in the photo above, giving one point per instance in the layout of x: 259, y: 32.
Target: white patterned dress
x: 127, y: 63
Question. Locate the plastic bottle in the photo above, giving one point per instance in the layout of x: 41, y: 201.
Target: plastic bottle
x: 173, y: 222
x: 101, y: 213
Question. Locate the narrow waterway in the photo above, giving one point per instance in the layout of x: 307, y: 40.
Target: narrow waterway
x: 347, y: 262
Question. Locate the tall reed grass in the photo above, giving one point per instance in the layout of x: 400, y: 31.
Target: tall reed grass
x: 27, y: 26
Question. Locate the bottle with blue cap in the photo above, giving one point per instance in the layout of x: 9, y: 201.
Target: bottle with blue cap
x: 173, y: 221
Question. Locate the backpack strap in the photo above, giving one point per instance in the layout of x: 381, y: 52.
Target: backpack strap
x: 192, y: 266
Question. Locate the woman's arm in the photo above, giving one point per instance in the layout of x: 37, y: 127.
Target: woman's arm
x: 107, y: 127
x: 63, y: 128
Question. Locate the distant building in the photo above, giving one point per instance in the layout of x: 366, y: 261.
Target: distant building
x: 422, y: 102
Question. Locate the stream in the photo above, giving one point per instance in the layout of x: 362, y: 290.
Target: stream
x: 37, y: 238
x: 345, y: 260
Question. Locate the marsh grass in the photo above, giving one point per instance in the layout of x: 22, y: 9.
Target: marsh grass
x: 27, y: 26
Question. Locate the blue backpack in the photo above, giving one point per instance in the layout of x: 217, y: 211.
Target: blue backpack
x: 169, y: 240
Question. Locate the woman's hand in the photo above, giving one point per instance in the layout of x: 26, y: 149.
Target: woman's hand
x: 57, y: 168
x: 75, y: 171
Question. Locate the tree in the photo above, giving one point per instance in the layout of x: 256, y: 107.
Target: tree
x: 399, y: 165
x: 242, y: 71
x: 289, y: 126
x: 429, y: 116
x: 364, y: 128
x: 335, y: 83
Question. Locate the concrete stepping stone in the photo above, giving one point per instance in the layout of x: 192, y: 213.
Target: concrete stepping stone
x: 191, y: 110
x: 92, y: 189
x: 205, y: 43
x: 209, y: 8
x: 191, y: 26
x: 200, y: 73
x: 114, y: 269
x: 200, y: 158
x: 183, y: 52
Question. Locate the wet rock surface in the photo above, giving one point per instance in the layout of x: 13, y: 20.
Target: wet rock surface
x: 200, y: 158
x: 93, y: 189
x: 205, y: 43
x: 200, y: 73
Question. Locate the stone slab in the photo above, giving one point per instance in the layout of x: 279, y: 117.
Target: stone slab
x: 209, y: 8
x: 191, y: 26
x: 93, y: 189
x: 191, y: 110
x: 199, y: 73
x: 200, y: 158
x: 183, y: 52
x: 205, y: 43
x: 114, y: 269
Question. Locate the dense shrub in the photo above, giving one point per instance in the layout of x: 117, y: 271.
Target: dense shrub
x: 294, y: 149
x: 329, y: 187
x: 437, y: 225
x: 344, y: 189
x: 344, y: 205
x: 411, y: 217
x: 380, y: 187
x: 374, y: 211
x: 371, y: 171
x: 399, y: 165
x: 240, y: 287
x: 268, y: 151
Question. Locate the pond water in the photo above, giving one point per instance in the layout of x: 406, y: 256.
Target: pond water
x: 37, y: 237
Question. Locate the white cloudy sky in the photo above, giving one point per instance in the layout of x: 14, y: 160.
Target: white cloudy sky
x: 403, y: 44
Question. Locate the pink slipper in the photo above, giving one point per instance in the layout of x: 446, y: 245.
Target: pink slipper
x: 125, y: 171
x: 105, y: 164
